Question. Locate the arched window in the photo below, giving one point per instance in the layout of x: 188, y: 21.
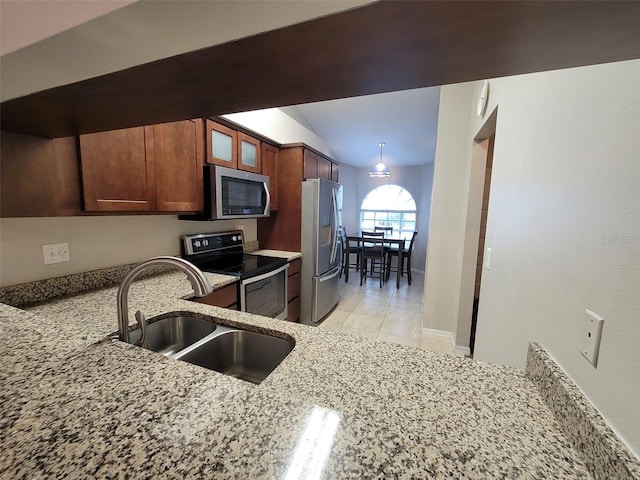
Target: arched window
x: 389, y: 206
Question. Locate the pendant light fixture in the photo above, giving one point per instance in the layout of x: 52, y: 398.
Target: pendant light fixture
x: 380, y: 169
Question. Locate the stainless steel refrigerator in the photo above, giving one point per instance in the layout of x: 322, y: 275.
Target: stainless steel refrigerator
x: 321, y: 248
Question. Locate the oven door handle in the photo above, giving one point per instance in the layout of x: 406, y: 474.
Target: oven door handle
x: 268, y: 274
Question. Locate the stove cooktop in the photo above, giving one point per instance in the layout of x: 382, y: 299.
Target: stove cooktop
x: 223, y: 253
x: 245, y: 266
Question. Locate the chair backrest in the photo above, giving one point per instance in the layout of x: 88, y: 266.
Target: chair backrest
x: 375, y: 237
x: 413, y: 239
x: 343, y: 235
x: 385, y: 230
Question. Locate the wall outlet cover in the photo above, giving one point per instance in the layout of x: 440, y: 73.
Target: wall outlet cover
x: 591, y: 335
x: 56, y: 253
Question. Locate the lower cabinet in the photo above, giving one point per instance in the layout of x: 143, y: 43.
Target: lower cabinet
x: 226, y: 297
x: 293, y: 291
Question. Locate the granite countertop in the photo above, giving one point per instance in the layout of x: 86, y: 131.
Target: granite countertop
x: 74, y: 403
x: 278, y: 253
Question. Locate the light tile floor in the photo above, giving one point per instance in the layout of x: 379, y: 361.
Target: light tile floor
x: 384, y: 314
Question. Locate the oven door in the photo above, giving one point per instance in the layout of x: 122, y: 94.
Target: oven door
x: 266, y: 294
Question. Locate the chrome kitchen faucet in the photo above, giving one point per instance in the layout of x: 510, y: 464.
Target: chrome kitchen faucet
x: 199, y: 282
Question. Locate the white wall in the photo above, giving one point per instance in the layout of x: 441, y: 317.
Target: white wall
x: 564, y: 226
x: 448, y: 210
x: 95, y: 242
x: 277, y: 125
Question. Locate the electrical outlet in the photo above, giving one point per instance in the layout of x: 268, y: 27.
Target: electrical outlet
x: 592, y: 333
x: 56, y: 253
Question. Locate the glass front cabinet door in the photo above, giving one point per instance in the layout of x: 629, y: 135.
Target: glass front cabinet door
x: 248, y: 153
x: 222, y: 145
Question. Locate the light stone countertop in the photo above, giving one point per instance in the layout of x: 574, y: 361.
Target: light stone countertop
x: 278, y: 253
x: 76, y: 404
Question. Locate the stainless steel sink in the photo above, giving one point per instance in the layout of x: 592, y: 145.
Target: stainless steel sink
x: 250, y: 356
x: 173, y: 334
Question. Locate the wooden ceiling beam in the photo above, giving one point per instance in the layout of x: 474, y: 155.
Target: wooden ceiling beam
x: 382, y: 47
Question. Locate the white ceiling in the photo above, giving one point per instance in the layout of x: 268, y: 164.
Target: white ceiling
x: 352, y: 128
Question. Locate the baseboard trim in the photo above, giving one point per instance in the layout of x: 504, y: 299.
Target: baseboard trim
x: 437, y: 333
x: 466, y: 351
x: 441, y: 333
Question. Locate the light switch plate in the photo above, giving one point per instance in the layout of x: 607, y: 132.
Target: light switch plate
x: 591, y: 335
x: 487, y: 259
x: 56, y: 253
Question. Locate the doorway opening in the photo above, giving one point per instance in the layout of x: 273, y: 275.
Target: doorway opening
x: 487, y: 146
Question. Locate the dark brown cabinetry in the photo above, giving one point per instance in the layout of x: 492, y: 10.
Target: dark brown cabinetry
x: 178, y: 149
x: 293, y: 291
x: 39, y: 177
x: 281, y: 231
x: 226, y: 297
x: 249, y: 158
x: 231, y: 148
x: 221, y: 144
x: 156, y: 168
x: 270, y: 158
x: 318, y: 166
x: 117, y: 172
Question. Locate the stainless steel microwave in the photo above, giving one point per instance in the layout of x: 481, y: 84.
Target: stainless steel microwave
x: 230, y: 193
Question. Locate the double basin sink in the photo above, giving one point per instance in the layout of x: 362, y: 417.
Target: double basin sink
x: 250, y: 356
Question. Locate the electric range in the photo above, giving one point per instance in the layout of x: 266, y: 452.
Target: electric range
x: 262, y: 286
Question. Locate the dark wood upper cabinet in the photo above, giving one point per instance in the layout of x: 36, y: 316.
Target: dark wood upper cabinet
x: 156, y: 168
x: 335, y: 172
x: 178, y: 148
x: 249, y: 153
x: 117, y: 170
x: 270, y: 158
x: 39, y: 177
x: 310, y: 165
x: 319, y: 166
x: 222, y: 145
x: 324, y: 168
x: 296, y: 162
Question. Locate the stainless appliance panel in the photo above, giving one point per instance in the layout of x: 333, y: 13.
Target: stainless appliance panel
x: 325, y: 294
x: 321, y: 248
x: 240, y: 194
x: 230, y: 194
x: 266, y: 294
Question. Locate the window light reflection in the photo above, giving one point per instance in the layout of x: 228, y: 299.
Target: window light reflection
x: 312, y: 452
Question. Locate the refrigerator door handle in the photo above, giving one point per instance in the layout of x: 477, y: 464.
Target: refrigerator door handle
x: 334, y: 274
x: 334, y: 207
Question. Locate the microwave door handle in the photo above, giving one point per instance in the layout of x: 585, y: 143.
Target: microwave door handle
x: 266, y: 190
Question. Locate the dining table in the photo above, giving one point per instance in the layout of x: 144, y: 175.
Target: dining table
x: 387, y: 240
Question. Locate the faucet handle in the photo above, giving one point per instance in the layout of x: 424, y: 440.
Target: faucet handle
x: 142, y: 323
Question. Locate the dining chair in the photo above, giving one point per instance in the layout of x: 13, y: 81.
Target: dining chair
x: 393, y: 251
x: 373, y: 248
x: 349, y: 249
x: 406, y: 257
